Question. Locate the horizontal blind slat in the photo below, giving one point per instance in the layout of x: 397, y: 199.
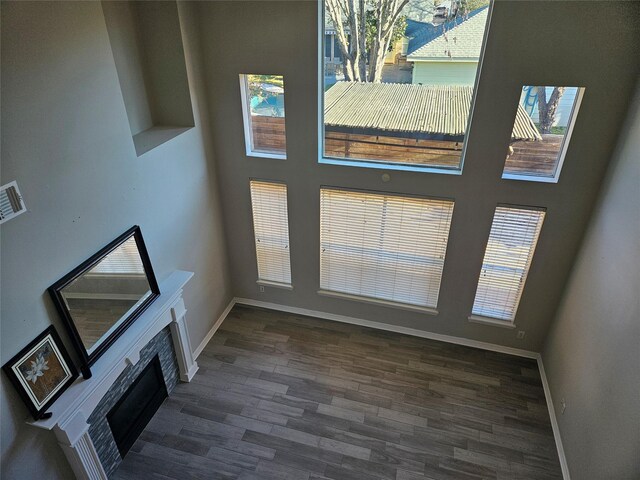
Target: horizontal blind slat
x: 383, y: 246
x: 271, y: 230
x: 507, y: 259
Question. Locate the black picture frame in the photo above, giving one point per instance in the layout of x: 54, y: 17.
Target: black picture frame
x: 48, y: 341
x: 55, y: 290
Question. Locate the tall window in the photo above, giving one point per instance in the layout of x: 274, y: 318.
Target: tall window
x: 399, y: 91
x: 507, y: 258
x: 271, y: 229
x: 541, y: 137
x: 263, y: 114
x: 383, y: 246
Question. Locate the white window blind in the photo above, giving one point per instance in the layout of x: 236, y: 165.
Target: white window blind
x: 123, y: 260
x: 383, y: 246
x: 271, y: 228
x: 507, y: 258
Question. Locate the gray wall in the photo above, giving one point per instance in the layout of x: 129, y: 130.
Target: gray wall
x: 529, y: 43
x: 592, y: 354
x: 66, y: 139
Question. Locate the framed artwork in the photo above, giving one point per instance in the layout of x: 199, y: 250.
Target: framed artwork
x: 41, y: 372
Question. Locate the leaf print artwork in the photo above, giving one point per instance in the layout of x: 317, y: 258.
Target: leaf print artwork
x: 37, y: 368
x: 42, y: 371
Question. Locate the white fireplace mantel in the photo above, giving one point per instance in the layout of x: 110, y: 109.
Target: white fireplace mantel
x: 72, y: 409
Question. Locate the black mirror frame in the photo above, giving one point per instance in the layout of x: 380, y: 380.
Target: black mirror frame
x: 55, y: 291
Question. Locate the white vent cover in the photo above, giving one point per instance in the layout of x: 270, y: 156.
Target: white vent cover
x: 11, y: 204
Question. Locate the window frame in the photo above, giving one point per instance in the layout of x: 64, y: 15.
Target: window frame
x: 494, y: 321
x: 260, y: 281
x: 573, y: 116
x: 429, y: 310
x: 381, y: 164
x: 246, y: 121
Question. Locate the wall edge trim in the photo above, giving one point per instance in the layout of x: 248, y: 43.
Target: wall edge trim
x: 207, y: 338
x: 390, y: 328
x: 554, y: 420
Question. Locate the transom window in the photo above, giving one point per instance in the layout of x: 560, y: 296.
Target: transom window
x: 383, y: 246
x: 398, y: 81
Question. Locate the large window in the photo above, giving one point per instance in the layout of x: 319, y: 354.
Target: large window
x: 507, y: 258
x: 271, y: 229
x: 382, y: 246
x: 398, y: 91
x: 540, y: 138
x: 263, y: 114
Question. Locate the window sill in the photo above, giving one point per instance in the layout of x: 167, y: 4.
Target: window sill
x: 389, y: 166
x: 277, y: 156
x: 375, y: 301
x: 529, y: 178
x: 491, y: 321
x: 267, y: 283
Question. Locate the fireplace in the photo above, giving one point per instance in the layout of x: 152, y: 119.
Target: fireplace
x: 79, y: 416
x: 137, y: 405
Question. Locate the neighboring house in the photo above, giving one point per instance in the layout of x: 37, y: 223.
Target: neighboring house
x: 447, y: 53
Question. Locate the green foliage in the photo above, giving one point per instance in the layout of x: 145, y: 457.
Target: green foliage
x: 255, y: 85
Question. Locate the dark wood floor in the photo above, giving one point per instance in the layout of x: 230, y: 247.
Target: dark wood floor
x: 283, y: 397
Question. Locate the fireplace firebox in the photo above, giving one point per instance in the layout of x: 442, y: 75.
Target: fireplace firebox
x: 132, y: 412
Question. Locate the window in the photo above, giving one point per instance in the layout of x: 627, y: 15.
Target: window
x: 541, y: 132
x: 271, y: 229
x: 402, y: 101
x: 507, y: 258
x: 383, y: 246
x: 263, y: 114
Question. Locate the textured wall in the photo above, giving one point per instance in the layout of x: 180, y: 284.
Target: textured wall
x: 66, y: 140
x: 592, y: 355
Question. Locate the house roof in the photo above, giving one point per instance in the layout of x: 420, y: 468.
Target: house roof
x: 439, y: 110
x: 458, y: 38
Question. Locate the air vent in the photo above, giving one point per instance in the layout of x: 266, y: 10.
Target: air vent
x: 11, y: 204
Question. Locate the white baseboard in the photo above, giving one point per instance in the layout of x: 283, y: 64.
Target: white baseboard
x: 554, y: 421
x: 214, y: 328
x: 407, y: 331
x: 390, y: 328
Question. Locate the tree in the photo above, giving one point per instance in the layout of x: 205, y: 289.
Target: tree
x: 365, y: 30
x: 547, y: 108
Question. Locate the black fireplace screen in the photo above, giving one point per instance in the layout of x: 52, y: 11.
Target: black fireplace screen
x: 137, y: 405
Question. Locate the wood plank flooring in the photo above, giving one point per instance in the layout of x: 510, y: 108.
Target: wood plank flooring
x: 280, y: 396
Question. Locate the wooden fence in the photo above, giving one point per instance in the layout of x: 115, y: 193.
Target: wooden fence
x: 537, y: 158
x: 268, y: 134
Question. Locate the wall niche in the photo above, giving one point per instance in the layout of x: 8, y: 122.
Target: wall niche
x: 146, y: 42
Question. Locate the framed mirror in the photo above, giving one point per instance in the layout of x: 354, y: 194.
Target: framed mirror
x: 102, y: 297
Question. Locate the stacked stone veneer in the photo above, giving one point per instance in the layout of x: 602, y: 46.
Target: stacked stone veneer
x: 99, y: 429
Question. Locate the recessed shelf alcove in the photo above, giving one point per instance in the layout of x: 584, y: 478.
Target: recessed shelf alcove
x: 146, y: 42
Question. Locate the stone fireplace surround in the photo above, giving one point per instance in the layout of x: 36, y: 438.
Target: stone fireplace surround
x: 79, y: 416
x: 99, y: 429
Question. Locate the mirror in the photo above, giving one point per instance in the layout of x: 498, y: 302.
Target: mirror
x: 100, y: 299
